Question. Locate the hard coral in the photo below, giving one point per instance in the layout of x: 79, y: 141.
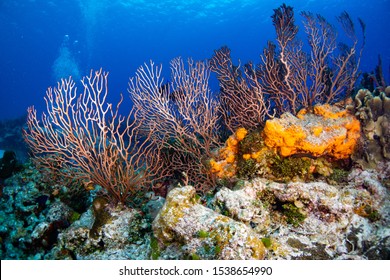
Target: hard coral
x: 327, y: 131
x: 374, y: 113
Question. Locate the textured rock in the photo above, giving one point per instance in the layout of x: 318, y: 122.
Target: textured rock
x: 113, y: 240
x: 153, y: 206
x: 293, y: 220
x: 322, y: 221
x: 201, y: 232
x: 240, y: 204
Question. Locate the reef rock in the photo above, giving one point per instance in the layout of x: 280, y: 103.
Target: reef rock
x: 199, y: 232
x: 315, y: 220
x: 329, y: 130
x: 239, y: 204
x: 29, y: 219
x: 119, y: 237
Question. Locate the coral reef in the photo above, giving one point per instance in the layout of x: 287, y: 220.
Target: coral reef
x: 226, y: 166
x: 300, y: 147
x: 287, y: 184
x: 373, y: 111
x: 260, y: 218
x: 82, y: 137
x: 199, y: 231
x: 315, y: 220
x: 288, y: 77
x: 120, y: 237
x: 182, y: 116
x: 30, y: 220
x: 327, y: 131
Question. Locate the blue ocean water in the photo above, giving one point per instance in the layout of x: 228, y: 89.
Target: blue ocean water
x: 42, y: 41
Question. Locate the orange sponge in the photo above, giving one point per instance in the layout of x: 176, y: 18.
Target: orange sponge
x: 328, y: 131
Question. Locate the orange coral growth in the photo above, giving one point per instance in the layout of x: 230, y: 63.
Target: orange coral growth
x: 317, y: 130
x: 327, y: 131
x: 226, y: 167
x: 246, y: 156
x: 241, y: 133
x: 353, y: 134
x: 285, y: 138
x: 259, y: 154
x: 215, y: 166
x: 329, y: 111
